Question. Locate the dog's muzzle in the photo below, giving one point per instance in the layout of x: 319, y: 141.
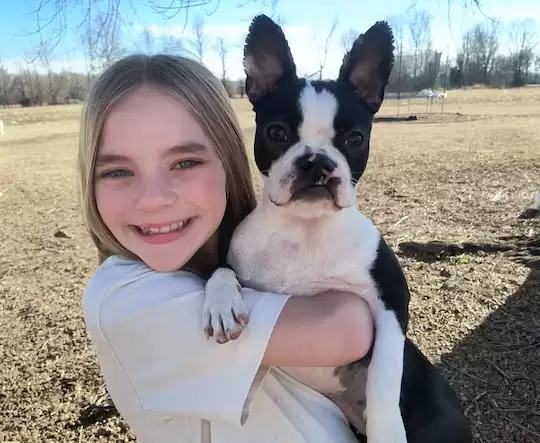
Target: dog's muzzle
x: 314, y: 178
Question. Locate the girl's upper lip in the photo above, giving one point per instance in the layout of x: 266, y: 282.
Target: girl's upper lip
x: 161, y: 225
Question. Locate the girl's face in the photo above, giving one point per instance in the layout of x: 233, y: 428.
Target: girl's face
x: 160, y: 186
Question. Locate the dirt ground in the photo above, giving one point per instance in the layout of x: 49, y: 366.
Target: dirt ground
x: 446, y: 190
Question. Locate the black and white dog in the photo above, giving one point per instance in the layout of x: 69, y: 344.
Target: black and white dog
x: 306, y: 235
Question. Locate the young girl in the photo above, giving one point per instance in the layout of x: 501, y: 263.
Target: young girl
x: 164, y: 180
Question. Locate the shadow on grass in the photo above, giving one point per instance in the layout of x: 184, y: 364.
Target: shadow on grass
x: 496, y: 368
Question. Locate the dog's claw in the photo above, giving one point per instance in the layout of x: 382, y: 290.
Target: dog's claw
x: 242, y: 319
x: 208, y: 332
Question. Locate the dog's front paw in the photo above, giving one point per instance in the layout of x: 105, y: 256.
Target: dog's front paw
x: 224, y: 311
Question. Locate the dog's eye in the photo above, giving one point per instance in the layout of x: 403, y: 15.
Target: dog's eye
x: 355, y: 138
x: 277, y: 133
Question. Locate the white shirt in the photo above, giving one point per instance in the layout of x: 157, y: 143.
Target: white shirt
x: 164, y: 377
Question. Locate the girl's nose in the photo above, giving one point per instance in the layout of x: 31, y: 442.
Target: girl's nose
x: 155, y: 192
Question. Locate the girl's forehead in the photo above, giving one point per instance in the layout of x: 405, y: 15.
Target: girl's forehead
x: 145, y: 102
x: 151, y: 118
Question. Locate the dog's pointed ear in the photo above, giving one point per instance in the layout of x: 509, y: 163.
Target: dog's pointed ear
x: 267, y: 57
x: 368, y: 64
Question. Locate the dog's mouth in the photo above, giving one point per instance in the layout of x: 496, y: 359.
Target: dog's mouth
x: 319, y: 191
x: 312, y: 192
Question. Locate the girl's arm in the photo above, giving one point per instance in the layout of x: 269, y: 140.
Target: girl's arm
x: 330, y: 329
x: 146, y: 330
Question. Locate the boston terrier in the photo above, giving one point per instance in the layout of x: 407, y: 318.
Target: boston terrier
x: 306, y: 236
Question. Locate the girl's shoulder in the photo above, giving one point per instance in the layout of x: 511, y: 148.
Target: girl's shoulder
x: 117, y: 271
x: 122, y: 279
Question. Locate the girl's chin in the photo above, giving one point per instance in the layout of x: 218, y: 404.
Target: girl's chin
x: 165, y: 261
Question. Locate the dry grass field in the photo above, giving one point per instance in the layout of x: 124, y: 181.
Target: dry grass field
x: 446, y: 191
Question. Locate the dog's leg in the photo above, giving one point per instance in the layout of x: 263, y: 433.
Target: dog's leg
x: 224, y: 312
x: 384, y: 423
x: 431, y: 409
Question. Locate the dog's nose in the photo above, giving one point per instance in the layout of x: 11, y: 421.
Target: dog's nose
x: 316, y: 166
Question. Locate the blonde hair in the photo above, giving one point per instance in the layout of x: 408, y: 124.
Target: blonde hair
x: 204, y: 96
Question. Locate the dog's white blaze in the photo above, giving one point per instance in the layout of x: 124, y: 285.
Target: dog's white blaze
x: 319, y: 110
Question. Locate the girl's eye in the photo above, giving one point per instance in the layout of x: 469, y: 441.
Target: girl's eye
x: 116, y: 173
x: 186, y: 164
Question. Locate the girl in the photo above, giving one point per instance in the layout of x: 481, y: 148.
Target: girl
x: 164, y: 180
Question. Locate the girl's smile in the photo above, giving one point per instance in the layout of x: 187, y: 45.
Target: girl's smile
x: 161, y: 233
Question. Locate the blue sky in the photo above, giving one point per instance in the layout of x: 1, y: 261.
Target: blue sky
x: 306, y: 25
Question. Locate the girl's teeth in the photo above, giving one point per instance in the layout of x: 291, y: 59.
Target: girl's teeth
x: 164, y: 229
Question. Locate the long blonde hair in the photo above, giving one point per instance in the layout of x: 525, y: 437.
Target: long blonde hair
x: 203, y: 95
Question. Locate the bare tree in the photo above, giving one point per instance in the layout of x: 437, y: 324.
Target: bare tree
x: 419, y: 24
x: 55, y: 16
x: 222, y: 50
x: 23, y: 86
x: 4, y: 84
x: 523, y: 38
x: 44, y: 54
x: 32, y: 80
x: 170, y: 43
x: 107, y: 45
x: 397, y: 24
x: 148, y: 41
x: 75, y: 83
x: 487, y: 42
x: 101, y: 37
x: 52, y: 86
x: 31, y: 92
x: 198, y: 41
x: 348, y: 38
x: 59, y: 16
x: 324, y: 56
x: 477, y: 53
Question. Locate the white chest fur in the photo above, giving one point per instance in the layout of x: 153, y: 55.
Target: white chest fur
x: 304, y: 257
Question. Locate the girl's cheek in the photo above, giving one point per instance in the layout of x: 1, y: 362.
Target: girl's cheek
x: 214, y: 187
x: 208, y: 180
x: 104, y: 204
x: 114, y: 189
x: 111, y: 199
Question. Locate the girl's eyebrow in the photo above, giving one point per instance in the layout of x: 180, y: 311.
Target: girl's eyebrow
x: 185, y: 148
x: 104, y: 159
x: 188, y: 148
